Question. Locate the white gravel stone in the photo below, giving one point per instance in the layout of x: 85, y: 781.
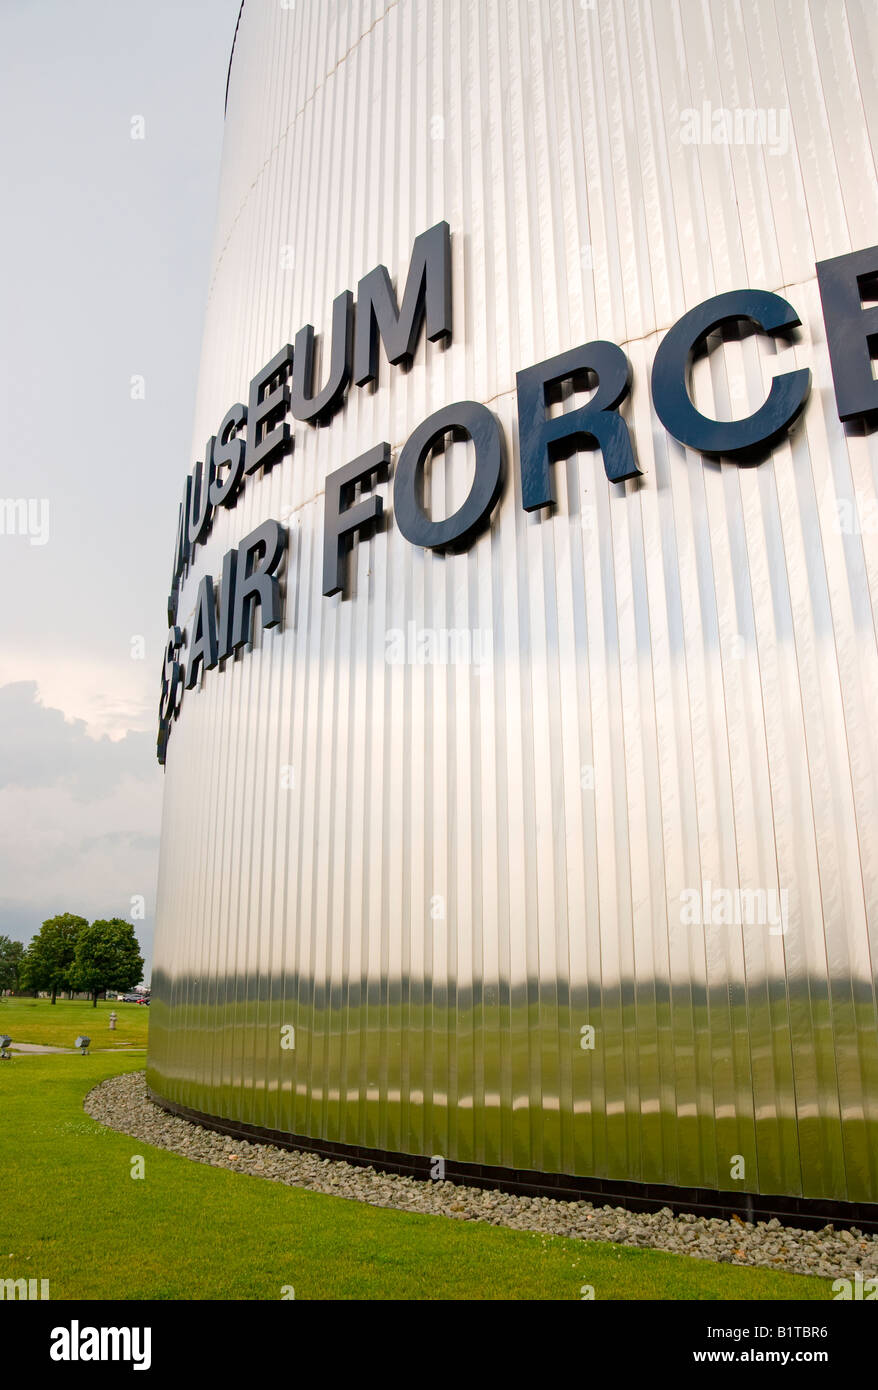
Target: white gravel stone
x: 122, y: 1104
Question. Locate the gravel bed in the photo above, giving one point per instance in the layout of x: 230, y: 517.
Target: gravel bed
x: 122, y: 1104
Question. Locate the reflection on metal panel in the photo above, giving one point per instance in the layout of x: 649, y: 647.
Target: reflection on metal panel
x: 441, y: 873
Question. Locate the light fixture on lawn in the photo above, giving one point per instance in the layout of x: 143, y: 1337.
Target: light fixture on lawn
x: 83, y: 1044
x: 5, y: 1040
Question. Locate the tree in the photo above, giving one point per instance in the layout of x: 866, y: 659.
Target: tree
x: 11, y: 953
x: 107, y: 957
x: 48, y: 961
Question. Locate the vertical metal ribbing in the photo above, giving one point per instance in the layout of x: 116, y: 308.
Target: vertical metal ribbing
x: 682, y: 668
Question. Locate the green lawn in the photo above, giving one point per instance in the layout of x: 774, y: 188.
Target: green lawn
x: 58, y: 1024
x: 71, y: 1213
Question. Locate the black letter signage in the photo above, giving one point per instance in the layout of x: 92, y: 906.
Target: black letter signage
x: 341, y: 520
x: 543, y: 440
x: 268, y: 434
x: 465, y: 420
x: 259, y: 556
x: 734, y: 439
x: 427, y: 295
x: 851, y: 330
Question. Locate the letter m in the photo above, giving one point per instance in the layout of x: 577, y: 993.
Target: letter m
x: 13, y: 1288
x: 427, y: 296
x: 753, y: 907
x: 117, y: 1338
x: 13, y: 516
x: 752, y: 127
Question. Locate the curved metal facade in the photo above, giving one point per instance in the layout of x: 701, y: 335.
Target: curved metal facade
x: 440, y: 873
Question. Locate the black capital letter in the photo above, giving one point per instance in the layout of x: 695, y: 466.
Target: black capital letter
x: 259, y: 556
x: 427, y: 295
x: 320, y: 407
x: 735, y: 439
x: 266, y: 411
x: 228, y: 453
x: 200, y: 508
x: 851, y: 330
x: 465, y: 420
x: 341, y: 520
x: 181, y: 553
x: 597, y: 425
x: 203, y: 650
x: 227, y: 605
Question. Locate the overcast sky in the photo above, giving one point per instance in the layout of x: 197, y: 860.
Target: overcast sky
x: 105, y: 245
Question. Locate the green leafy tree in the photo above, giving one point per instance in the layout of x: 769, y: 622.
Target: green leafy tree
x: 11, y: 953
x: 107, y: 957
x: 48, y: 961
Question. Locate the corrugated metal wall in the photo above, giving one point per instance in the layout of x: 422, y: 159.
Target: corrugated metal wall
x: 680, y: 682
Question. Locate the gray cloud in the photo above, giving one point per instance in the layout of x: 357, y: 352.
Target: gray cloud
x: 112, y: 289
x: 40, y: 748
x: 79, y: 819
